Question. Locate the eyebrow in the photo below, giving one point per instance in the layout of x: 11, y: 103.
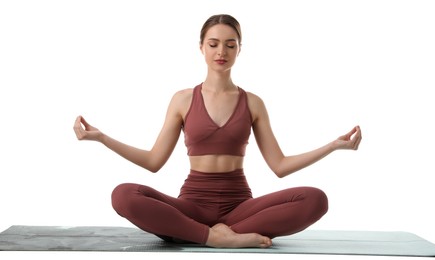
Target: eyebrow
x: 215, y: 39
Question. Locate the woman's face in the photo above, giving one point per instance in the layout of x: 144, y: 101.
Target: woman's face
x: 220, y: 47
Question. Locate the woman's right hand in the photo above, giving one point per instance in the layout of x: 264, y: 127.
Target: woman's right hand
x: 85, y: 131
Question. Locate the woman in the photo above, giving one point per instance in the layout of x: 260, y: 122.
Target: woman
x: 215, y: 206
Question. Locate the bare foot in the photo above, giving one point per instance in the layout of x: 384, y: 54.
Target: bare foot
x: 221, y: 235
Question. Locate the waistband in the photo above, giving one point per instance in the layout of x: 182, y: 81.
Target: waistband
x: 232, y: 185
x: 218, y: 175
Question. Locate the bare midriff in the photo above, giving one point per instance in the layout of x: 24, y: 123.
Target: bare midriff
x: 216, y: 163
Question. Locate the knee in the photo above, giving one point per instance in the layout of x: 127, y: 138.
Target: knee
x: 319, y: 201
x: 121, y: 196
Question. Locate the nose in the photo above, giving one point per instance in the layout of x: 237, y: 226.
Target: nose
x: 221, y: 51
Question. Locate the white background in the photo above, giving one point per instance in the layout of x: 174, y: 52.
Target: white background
x: 321, y: 67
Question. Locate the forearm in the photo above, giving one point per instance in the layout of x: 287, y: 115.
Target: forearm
x: 135, y: 155
x: 293, y: 163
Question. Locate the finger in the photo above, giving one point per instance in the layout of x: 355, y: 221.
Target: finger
x: 77, y: 125
x: 79, y: 132
x: 77, y: 121
x: 357, y: 145
x: 78, y: 129
x: 357, y: 141
x: 84, y: 122
x: 348, y: 136
x: 353, y: 131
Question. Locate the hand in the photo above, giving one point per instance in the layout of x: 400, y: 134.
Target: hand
x: 350, y: 140
x: 88, y: 132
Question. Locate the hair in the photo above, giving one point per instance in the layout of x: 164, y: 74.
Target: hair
x: 221, y: 19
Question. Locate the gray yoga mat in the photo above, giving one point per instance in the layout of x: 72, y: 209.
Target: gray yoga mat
x: 125, y: 239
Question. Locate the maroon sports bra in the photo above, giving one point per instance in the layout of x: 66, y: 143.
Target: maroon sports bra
x: 203, y: 136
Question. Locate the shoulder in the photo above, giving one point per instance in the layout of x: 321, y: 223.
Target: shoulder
x: 181, y: 100
x: 254, y: 101
x: 183, y: 94
x: 253, y: 96
x: 256, y: 106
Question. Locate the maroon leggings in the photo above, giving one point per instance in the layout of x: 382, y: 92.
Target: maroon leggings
x: 209, y: 198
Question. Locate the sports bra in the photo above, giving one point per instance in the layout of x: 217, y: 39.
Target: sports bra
x: 203, y: 136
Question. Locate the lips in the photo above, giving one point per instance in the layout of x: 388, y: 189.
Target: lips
x: 220, y: 61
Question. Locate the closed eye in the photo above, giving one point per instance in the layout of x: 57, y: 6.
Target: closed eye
x: 230, y: 43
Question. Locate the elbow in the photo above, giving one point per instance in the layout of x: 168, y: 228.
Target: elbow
x: 152, y: 164
x: 279, y: 167
x: 285, y: 166
x: 279, y: 175
x: 278, y: 172
x: 282, y: 172
x: 154, y: 161
x: 154, y: 168
x: 151, y: 167
x: 276, y: 168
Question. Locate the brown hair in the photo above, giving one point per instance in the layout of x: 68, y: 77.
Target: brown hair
x: 221, y: 19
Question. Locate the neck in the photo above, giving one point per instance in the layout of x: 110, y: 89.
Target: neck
x: 218, y: 83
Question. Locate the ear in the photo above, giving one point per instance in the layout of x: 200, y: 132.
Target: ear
x: 200, y: 48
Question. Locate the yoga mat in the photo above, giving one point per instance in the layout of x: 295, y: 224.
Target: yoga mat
x: 130, y: 239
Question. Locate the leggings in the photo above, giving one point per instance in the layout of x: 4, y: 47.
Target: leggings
x: 206, y: 199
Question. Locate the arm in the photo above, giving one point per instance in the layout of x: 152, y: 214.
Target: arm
x: 283, y: 165
x: 151, y: 160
